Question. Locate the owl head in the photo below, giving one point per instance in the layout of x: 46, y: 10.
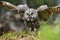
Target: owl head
x: 30, y: 15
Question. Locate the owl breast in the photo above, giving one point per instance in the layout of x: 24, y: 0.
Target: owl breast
x: 32, y: 24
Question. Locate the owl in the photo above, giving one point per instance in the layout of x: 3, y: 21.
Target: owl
x: 41, y: 13
x: 31, y: 16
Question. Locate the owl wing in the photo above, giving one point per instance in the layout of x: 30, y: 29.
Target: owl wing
x: 20, y: 8
x: 7, y: 5
x: 46, y: 13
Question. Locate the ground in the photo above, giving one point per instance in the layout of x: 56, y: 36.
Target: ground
x: 47, y: 31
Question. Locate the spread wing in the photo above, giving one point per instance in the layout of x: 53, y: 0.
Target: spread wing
x: 7, y: 5
x: 48, y: 12
x: 20, y: 8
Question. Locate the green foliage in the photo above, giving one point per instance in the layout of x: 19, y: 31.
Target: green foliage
x: 49, y: 32
x: 37, y: 3
x: 51, y: 2
x: 15, y: 2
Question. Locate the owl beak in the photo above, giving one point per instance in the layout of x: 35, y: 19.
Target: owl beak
x: 30, y: 18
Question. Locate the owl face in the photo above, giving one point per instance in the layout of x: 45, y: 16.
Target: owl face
x: 30, y: 15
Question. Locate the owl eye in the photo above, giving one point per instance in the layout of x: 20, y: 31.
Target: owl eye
x: 31, y: 13
x: 27, y: 14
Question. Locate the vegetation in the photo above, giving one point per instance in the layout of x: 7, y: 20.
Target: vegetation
x: 49, y: 32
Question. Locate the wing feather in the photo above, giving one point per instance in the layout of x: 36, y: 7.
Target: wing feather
x: 45, y: 14
x: 7, y: 4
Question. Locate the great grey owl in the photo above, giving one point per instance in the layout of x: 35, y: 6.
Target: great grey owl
x: 31, y: 17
